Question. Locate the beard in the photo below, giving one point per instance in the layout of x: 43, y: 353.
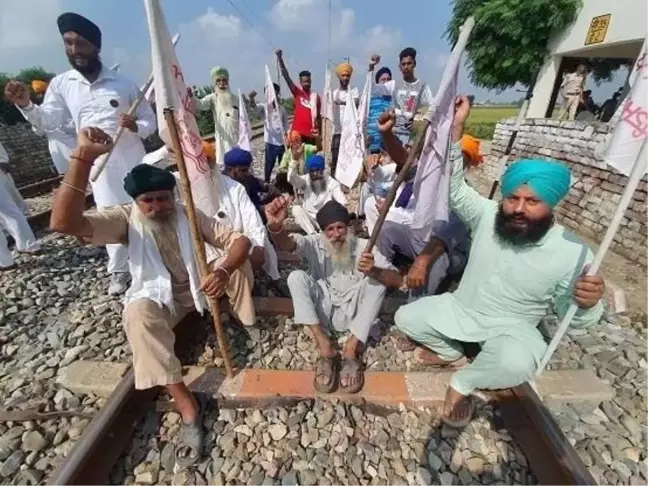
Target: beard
x: 163, y: 228
x: 223, y: 100
x: 318, y: 185
x: 341, y: 256
x: 508, y: 232
x: 92, y: 64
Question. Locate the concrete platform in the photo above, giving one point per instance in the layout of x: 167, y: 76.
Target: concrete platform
x: 389, y: 388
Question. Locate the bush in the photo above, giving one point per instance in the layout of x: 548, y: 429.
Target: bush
x: 483, y: 130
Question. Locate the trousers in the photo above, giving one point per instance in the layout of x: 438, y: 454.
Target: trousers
x: 273, y: 153
x: 570, y: 105
x: 13, y: 211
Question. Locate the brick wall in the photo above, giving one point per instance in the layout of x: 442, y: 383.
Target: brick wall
x: 596, y: 187
x: 29, y: 157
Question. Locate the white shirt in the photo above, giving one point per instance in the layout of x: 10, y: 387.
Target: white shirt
x: 272, y: 134
x: 98, y: 104
x: 341, y: 96
x: 61, y: 142
x: 313, y: 202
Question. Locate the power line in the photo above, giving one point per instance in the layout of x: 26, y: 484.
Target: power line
x: 251, y: 24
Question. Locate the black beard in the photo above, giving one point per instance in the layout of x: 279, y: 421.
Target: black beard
x: 318, y: 185
x: 93, y: 66
x: 508, y: 233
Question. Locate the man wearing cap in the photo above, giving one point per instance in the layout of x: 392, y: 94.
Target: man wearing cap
x: 224, y: 107
x: 91, y: 94
x: 521, y: 262
x: 165, y: 285
x: 318, y: 187
x: 341, y: 290
x: 341, y: 95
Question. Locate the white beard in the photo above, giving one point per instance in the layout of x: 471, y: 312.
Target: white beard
x: 341, y: 258
x: 224, y: 102
x: 164, y: 232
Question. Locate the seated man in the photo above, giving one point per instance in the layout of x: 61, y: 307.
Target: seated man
x: 165, y: 285
x: 521, y: 261
x: 341, y: 291
x: 318, y: 189
x: 293, y: 139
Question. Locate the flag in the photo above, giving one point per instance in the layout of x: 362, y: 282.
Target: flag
x: 273, y: 114
x: 632, y: 128
x: 432, y: 180
x: 115, y: 67
x: 171, y: 92
x: 352, y: 147
x: 245, y: 130
x: 327, y: 96
x: 150, y: 92
x: 363, y: 108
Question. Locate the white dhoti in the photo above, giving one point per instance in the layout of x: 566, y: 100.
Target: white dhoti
x: 396, y: 215
x: 13, y: 218
x: 305, y: 220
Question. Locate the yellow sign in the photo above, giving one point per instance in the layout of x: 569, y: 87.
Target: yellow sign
x: 597, y: 29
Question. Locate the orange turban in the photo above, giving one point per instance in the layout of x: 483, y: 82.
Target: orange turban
x: 293, y: 137
x: 344, y: 68
x: 38, y: 86
x: 470, y: 147
x: 209, y: 150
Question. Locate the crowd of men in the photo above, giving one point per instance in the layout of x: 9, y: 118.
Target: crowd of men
x: 516, y: 260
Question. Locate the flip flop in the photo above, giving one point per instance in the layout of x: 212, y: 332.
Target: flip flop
x: 191, y: 441
x: 459, y: 424
x: 326, y: 366
x: 458, y: 363
x: 352, y: 367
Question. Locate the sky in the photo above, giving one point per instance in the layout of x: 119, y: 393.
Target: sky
x: 242, y: 35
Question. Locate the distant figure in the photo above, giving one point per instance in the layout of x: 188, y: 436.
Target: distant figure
x: 608, y: 107
x: 587, y: 109
x: 571, y: 90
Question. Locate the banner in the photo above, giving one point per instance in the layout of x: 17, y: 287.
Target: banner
x: 352, y: 146
x: 150, y: 92
x: 632, y: 128
x: 327, y: 97
x: 272, y: 112
x: 171, y: 92
x: 245, y: 129
x: 365, y: 98
x: 432, y: 180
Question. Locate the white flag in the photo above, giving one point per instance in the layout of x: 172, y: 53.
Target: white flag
x: 115, y: 67
x: 327, y: 96
x: 352, y: 147
x: 363, y: 108
x: 632, y: 128
x: 245, y: 129
x: 272, y: 110
x: 171, y: 92
x: 432, y: 181
x: 150, y: 92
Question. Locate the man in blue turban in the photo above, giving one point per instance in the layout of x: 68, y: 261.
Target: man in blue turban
x: 318, y: 188
x: 521, y: 262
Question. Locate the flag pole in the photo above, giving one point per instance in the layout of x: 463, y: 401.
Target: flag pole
x: 196, y: 236
x: 638, y: 170
x: 413, y: 154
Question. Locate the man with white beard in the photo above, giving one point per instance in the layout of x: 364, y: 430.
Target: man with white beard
x: 342, y: 290
x: 318, y: 188
x: 224, y: 107
x: 165, y: 285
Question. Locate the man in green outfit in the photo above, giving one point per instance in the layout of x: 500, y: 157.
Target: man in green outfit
x: 521, y: 262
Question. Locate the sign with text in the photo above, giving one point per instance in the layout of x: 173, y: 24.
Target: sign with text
x: 597, y: 29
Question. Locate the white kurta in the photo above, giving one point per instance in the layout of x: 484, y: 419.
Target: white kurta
x: 98, y: 104
x: 226, y: 124
x: 60, y: 142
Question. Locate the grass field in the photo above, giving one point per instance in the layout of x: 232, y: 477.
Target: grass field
x: 482, y: 120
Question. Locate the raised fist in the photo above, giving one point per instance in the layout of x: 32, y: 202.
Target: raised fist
x: 17, y: 93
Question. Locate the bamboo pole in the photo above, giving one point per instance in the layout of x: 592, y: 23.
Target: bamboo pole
x: 413, y: 154
x: 196, y: 236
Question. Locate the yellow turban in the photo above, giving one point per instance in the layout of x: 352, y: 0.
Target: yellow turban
x: 209, y: 150
x: 38, y: 86
x: 344, y: 68
x: 470, y: 147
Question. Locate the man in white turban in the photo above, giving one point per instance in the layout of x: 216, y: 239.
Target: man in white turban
x: 224, y: 107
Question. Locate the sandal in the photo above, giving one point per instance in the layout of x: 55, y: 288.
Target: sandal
x: 352, y: 368
x: 458, y: 363
x: 326, y: 367
x: 191, y: 441
x: 460, y: 424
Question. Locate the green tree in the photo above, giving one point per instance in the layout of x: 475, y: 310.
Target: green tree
x: 34, y: 73
x: 509, y: 43
x: 9, y: 115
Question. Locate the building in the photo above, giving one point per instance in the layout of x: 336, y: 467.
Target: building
x: 603, y: 28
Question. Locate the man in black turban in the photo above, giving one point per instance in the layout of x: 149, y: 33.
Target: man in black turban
x: 82, y: 39
x: 166, y: 285
x: 341, y: 291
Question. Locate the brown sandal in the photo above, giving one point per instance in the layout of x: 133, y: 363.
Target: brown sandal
x: 352, y: 367
x: 326, y: 367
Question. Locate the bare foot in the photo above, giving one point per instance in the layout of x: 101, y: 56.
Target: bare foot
x: 457, y: 409
x: 430, y: 358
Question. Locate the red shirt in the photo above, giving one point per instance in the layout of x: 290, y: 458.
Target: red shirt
x: 302, y: 117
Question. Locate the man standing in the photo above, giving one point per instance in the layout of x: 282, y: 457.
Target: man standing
x: 340, y: 97
x: 571, y: 89
x: 166, y: 285
x: 306, y: 117
x: 13, y: 217
x: 273, y: 134
x: 224, y: 107
x: 521, y: 262
x: 410, y: 94
x: 341, y: 291
x: 91, y: 94
x: 318, y: 189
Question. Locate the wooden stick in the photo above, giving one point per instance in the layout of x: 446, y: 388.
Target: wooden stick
x: 196, y: 236
x: 413, y: 154
x: 131, y: 112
